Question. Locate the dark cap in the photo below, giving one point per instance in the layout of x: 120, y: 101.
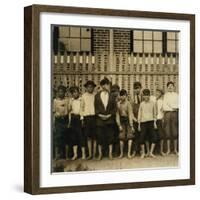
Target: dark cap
x: 169, y: 83
x: 137, y: 85
x: 90, y: 83
x: 62, y: 87
x: 104, y: 81
x: 146, y: 92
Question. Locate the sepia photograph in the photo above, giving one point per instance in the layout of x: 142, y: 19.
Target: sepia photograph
x: 114, y: 98
x: 109, y: 99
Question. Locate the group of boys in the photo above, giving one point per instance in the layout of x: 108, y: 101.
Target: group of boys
x: 108, y: 118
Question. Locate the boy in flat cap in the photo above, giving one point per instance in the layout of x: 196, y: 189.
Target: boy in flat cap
x: 88, y: 117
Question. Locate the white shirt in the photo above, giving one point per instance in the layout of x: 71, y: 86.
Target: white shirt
x: 160, y: 112
x: 76, y: 106
x: 104, y: 97
x: 153, y: 98
x: 87, y: 104
x: 170, y: 101
x: 147, y: 111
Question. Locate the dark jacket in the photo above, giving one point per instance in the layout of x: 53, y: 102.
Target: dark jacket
x: 100, y: 109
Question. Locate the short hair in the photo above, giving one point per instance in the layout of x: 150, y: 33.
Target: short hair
x: 104, y: 81
x: 61, y: 87
x: 160, y: 90
x: 90, y: 82
x: 123, y: 92
x: 169, y: 83
x: 137, y: 85
x: 115, y: 88
x: 73, y: 89
x: 146, y: 92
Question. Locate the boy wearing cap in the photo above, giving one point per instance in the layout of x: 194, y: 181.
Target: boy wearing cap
x: 170, y: 107
x: 147, y: 123
x: 105, y: 111
x: 88, y: 117
x: 125, y: 122
x: 61, y: 120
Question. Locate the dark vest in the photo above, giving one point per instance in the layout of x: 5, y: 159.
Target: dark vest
x: 100, y: 109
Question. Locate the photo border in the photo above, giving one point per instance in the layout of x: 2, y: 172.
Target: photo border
x: 32, y: 98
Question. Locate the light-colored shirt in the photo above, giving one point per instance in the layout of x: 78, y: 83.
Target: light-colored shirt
x: 61, y: 106
x: 170, y: 101
x: 159, y: 108
x: 147, y: 111
x: 104, y: 97
x: 75, y: 106
x: 124, y: 109
x: 87, y: 104
x: 153, y: 98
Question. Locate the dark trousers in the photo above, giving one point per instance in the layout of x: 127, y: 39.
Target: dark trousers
x: 148, y: 132
x: 171, y: 124
x: 77, y: 135
x: 61, y: 135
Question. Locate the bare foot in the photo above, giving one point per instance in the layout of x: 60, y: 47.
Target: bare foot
x: 121, y: 155
x: 74, y: 157
x: 83, y: 157
x: 152, y: 155
x: 176, y: 153
x: 110, y: 156
x: 162, y: 153
x: 134, y: 153
x: 168, y: 152
x: 99, y: 157
x: 142, y: 155
x: 147, y: 154
x: 89, y: 157
x: 129, y: 156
